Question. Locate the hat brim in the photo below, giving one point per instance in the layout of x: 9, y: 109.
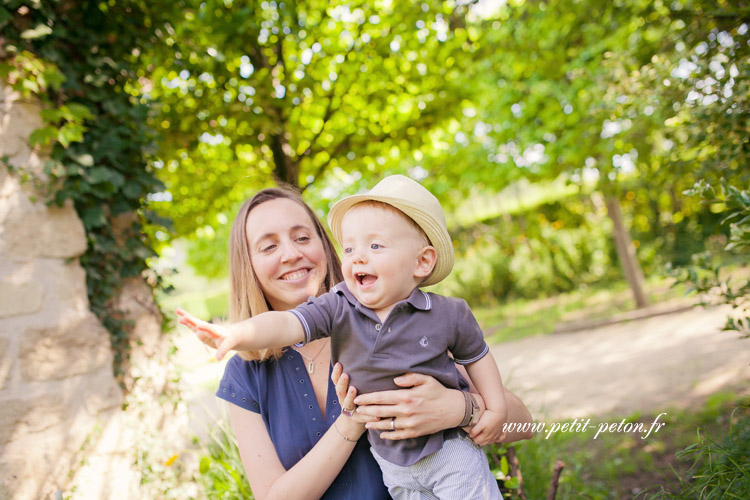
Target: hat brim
x: 437, y: 234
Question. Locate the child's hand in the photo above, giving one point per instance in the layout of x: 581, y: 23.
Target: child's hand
x: 489, y: 429
x: 213, y: 335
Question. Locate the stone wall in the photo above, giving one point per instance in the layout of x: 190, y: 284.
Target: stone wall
x: 57, y: 391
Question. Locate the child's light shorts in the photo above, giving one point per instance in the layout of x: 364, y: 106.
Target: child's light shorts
x: 459, y: 470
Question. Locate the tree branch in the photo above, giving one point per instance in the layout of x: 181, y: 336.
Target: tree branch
x: 329, y: 108
x: 552, y: 493
x: 345, y: 143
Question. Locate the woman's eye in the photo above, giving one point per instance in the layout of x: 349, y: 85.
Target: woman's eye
x: 303, y: 239
x: 267, y: 248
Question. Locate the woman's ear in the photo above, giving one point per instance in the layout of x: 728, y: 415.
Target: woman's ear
x: 426, y: 259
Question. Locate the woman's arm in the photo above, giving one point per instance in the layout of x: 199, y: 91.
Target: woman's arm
x: 316, y: 471
x: 519, y: 414
x: 425, y: 406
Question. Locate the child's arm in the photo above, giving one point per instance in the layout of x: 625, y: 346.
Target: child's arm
x: 263, y: 331
x: 486, y: 378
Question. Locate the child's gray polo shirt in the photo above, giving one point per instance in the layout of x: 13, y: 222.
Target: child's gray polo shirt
x: 415, y: 337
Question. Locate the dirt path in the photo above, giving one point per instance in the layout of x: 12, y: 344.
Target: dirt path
x: 649, y: 364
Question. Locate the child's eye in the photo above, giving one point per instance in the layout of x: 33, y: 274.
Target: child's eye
x: 348, y: 250
x: 375, y: 246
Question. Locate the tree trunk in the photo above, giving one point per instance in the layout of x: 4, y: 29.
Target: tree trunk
x: 286, y: 169
x: 626, y: 252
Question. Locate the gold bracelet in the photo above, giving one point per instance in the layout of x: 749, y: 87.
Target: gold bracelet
x: 340, y: 434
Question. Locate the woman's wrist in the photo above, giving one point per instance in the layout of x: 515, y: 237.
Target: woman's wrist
x: 348, y: 429
x: 471, y: 410
x: 458, y: 407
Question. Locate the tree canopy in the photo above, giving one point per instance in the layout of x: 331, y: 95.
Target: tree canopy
x: 633, y: 100
x: 299, y: 92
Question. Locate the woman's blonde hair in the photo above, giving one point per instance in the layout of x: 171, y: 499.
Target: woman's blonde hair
x: 246, y: 298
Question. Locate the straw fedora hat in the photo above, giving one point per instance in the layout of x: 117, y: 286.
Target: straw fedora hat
x: 417, y: 203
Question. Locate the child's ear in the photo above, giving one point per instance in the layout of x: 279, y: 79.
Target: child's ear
x: 426, y: 259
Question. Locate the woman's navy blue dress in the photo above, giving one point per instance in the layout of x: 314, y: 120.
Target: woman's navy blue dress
x: 281, y: 392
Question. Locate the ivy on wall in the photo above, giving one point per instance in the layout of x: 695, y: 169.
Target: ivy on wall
x: 81, y: 60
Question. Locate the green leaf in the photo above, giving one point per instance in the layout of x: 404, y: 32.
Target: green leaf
x: 93, y: 217
x: 132, y: 190
x: 53, y: 76
x: 69, y: 133
x: 51, y: 115
x: 79, y: 112
x: 97, y: 175
x: 205, y: 465
x: 5, y: 16
x: 43, y: 136
x: 511, y: 483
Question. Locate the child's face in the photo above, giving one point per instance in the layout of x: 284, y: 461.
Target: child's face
x: 382, y: 260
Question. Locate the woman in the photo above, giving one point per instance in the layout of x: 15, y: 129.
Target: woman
x: 286, y: 413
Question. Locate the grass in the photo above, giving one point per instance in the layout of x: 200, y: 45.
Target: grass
x: 622, y: 465
x: 220, y: 471
x: 523, y: 318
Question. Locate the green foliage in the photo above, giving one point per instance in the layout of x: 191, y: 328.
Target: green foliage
x: 331, y: 96
x: 621, y: 465
x: 639, y: 99
x: 221, y: 471
x: 704, y: 276
x: 550, y: 97
x: 707, y: 133
x: 298, y: 91
x: 720, y: 467
x: 79, y: 60
x: 596, y: 469
x: 555, y: 247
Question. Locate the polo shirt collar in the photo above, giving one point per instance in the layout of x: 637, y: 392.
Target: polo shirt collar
x: 418, y: 299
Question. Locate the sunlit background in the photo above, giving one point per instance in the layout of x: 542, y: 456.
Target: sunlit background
x: 591, y: 157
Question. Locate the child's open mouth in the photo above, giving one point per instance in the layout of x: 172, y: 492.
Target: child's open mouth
x: 365, y: 279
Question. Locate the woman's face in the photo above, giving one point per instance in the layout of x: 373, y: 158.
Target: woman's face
x: 286, y: 252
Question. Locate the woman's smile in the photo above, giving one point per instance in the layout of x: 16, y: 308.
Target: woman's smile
x: 296, y: 275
